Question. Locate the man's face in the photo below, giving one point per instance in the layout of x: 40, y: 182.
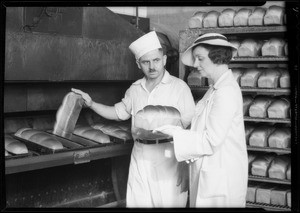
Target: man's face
x: 153, y: 64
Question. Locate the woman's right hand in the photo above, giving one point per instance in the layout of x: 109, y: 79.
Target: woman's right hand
x: 87, y: 99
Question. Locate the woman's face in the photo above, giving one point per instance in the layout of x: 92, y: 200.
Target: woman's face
x: 202, y: 62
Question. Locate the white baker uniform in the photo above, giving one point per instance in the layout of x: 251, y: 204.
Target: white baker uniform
x: 219, y: 174
x: 153, y: 167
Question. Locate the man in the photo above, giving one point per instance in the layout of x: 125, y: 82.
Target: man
x: 155, y: 177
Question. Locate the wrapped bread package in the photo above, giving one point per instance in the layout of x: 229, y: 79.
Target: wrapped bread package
x: 288, y: 172
x: 14, y: 146
x: 248, y: 130
x: 196, y: 21
x: 286, y: 50
x: 250, y: 48
x: 279, y: 108
x: 114, y: 130
x: 211, y: 19
x: 289, y: 199
x: 259, y: 136
x: 257, y: 17
x: 261, y: 164
x: 92, y: 134
x: 280, y: 138
x: 250, y: 77
x: 237, y: 74
x: 226, y: 18
x: 279, y: 167
x: 67, y: 114
x: 39, y: 137
x: 154, y: 116
x: 273, y: 47
x: 274, y: 15
x: 263, y: 194
x: 269, y: 78
x: 278, y: 195
x: 259, y: 106
x: 251, y: 158
x: 251, y: 192
x: 195, y: 79
x: 284, y: 80
x: 241, y: 17
x: 247, y: 101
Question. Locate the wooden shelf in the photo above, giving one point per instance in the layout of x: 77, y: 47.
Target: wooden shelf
x: 271, y: 120
x: 267, y: 207
x: 273, y: 59
x: 268, y: 180
x: 269, y: 149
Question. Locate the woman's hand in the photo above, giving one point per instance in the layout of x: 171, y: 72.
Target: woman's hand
x: 167, y: 129
x: 87, y: 99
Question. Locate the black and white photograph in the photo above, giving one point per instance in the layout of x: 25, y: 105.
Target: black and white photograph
x: 138, y: 107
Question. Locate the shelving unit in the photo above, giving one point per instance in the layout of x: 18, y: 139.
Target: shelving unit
x: 186, y: 39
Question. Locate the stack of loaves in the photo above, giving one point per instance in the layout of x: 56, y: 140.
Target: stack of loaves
x: 91, y: 134
x: 259, y: 16
x: 114, y: 129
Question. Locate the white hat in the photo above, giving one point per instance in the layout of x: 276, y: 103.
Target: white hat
x: 145, y: 44
x: 208, y: 38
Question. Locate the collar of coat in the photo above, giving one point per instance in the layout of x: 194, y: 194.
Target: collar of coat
x: 224, y: 80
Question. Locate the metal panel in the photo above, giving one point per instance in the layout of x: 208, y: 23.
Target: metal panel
x: 14, y: 18
x: 15, y: 99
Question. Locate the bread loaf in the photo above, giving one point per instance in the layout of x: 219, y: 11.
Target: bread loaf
x: 250, y: 77
x: 6, y: 153
x: 257, y: 17
x: 237, y: 44
x: 241, y: 17
x: 259, y: 136
x: 289, y: 199
x: 288, y: 172
x: 211, y: 19
x: 151, y: 117
x: 196, y: 21
x: 263, y: 194
x: 279, y: 167
x: 259, y: 106
x: 237, y: 74
x: 195, y: 79
x: 251, y: 158
x: 274, y: 15
x: 247, y: 101
x: 273, y: 47
x: 92, y: 134
x: 261, y: 164
x: 67, y: 114
x: 269, y: 78
x: 284, y: 80
x: 286, y: 50
x: 248, y: 130
x: 278, y: 196
x: 250, y: 48
x: 226, y: 17
x: 113, y: 130
x: 39, y: 137
x: 251, y: 192
x: 280, y: 138
x: 279, y: 108
x: 14, y: 146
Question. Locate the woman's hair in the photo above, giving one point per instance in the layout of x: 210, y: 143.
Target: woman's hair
x: 217, y: 54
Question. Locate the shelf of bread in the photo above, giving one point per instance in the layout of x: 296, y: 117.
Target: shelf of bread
x: 267, y: 207
x: 271, y: 120
x: 268, y: 180
x: 275, y: 59
x: 269, y: 149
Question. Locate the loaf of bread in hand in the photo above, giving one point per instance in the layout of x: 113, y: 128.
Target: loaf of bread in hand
x: 278, y: 195
x: 14, y: 146
x: 250, y: 48
x: 241, y: 17
x: 91, y: 133
x: 247, y: 101
x: 279, y: 108
x: 113, y: 130
x: 39, y: 137
x: 273, y: 47
x: 269, y: 78
x: 274, y: 15
x: 154, y: 116
x: 259, y: 136
x: 195, y: 79
x: 67, y: 114
x: 257, y: 17
x: 250, y: 77
x: 225, y: 19
x: 259, y: 106
x: 196, y: 21
x: 211, y: 19
x: 284, y: 80
x: 279, y: 167
x: 261, y: 164
x: 280, y: 138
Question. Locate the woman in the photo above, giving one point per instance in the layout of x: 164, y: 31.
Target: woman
x: 215, y: 145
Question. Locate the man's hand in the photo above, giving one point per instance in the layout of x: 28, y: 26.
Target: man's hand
x: 167, y: 129
x: 87, y: 99
x: 183, y: 176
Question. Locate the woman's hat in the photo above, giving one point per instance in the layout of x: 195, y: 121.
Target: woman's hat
x: 145, y: 44
x: 208, y: 38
